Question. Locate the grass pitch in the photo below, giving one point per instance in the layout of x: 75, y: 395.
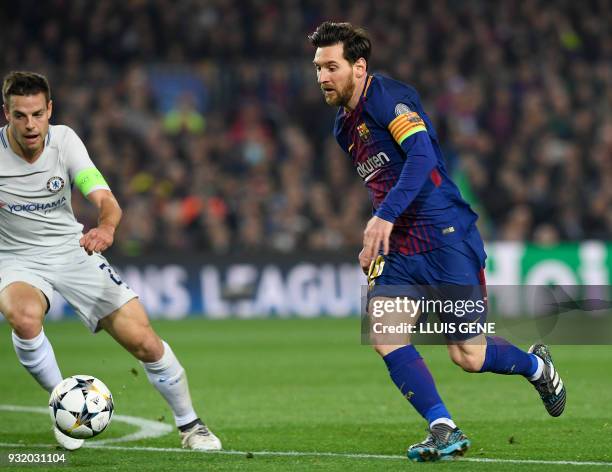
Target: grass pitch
x: 308, y: 386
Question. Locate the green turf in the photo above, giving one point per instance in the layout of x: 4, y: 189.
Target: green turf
x: 308, y: 385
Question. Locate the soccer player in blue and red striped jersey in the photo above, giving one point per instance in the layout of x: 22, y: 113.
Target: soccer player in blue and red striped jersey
x: 422, y: 233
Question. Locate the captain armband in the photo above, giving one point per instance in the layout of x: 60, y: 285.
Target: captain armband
x: 89, y: 179
x: 405, y: 125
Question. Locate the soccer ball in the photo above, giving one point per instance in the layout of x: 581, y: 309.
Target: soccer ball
x: 81, y: 406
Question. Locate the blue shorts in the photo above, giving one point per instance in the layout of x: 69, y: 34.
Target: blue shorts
x: 454, y: 272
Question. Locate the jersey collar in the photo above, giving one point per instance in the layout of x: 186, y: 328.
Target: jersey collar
x: 367, y: 86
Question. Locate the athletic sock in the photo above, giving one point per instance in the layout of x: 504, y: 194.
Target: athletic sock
x: 169, y: 378
x: 446, y: 421
x: 191, y: 424
x: 538, y: 373
x: 501, y: 357
x: 412, y: 377
x: 37, y: 356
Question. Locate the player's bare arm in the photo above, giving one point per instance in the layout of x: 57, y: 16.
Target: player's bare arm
x: 99, y: 239
x: 377, y: 232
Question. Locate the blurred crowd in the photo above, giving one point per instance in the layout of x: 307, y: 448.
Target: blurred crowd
x: 206, y: 119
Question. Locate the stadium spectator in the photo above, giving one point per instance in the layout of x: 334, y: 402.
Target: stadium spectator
x: 520, y: 92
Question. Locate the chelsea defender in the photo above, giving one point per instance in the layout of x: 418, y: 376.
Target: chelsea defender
x: 42, y: 249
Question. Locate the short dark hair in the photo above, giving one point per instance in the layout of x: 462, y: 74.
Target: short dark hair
x: 24, y: 83
x: 356, y: 42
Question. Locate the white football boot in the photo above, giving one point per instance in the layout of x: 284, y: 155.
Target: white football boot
x: 67, y: 442
x: 200, y: 438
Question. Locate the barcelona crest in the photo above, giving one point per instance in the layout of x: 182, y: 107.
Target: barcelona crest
x: 364, y: 132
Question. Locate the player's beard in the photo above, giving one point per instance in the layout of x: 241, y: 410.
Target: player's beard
x: 343, y: 96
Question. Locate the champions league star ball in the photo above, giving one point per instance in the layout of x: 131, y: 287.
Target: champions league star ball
x: 81, y: 406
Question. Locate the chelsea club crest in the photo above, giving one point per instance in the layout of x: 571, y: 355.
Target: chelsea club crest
x: 55, y: 184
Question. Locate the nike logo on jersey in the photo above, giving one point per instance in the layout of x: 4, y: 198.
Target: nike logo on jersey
x: 369, y: 177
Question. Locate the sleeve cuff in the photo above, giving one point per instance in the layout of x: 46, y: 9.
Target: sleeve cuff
x: 385, y: 214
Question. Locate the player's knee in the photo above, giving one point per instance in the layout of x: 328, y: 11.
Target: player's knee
x: 25, y: 317
x: 468, y: 361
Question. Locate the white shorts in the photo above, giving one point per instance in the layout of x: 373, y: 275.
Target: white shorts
x: 88, y: 283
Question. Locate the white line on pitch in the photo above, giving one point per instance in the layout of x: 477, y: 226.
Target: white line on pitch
x: 312, y: 454
x: 147, y: 429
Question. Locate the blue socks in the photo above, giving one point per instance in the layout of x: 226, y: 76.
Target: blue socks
x: 410, y: 374
x: 412, y: 377
x: 504, y: 358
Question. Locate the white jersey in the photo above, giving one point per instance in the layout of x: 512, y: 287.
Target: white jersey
x: 36, y: 214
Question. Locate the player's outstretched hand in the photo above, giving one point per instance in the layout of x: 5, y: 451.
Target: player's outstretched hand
x: 377, y: 232
x: 98, y: 239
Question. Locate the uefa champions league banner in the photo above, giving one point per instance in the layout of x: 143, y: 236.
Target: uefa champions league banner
x: 317, y: 284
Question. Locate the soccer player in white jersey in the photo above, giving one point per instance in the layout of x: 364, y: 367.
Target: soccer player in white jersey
x: 42, y: 248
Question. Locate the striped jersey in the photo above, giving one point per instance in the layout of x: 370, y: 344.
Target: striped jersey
x: 36, y: 215
x: 394, y: 149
